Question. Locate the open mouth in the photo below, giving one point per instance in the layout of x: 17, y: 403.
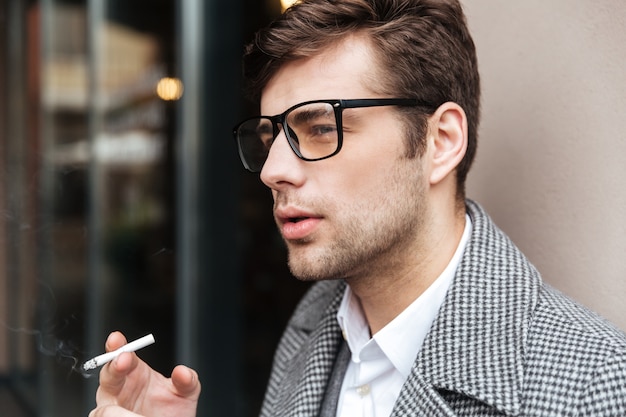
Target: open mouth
x: 296, y: 219
x: 298, y: 225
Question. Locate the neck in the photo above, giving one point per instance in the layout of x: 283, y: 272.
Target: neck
x: 386, y: 291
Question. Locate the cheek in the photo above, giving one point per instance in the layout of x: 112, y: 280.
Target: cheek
x: 361, y: 176
x: 359, y: 187
x: 373, y: 172
x: 377, y: 160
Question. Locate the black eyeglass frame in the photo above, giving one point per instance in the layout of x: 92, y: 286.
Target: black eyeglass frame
x: 338, y: 106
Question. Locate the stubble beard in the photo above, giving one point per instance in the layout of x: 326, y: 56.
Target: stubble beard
x: 364, y: 244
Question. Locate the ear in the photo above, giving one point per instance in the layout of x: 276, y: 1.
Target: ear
x: 448, y: 130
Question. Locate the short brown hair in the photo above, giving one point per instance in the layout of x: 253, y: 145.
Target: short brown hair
x: 423, y: 47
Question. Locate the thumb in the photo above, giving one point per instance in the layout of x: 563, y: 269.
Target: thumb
x: 186, y: 383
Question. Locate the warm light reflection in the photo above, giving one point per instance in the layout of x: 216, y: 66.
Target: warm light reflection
x: 285, y: 4
x: 170, y: 89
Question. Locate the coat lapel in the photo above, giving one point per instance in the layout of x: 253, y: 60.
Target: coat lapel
x: 420, y: 398
x: 475, y: 345
x: 305, y: 381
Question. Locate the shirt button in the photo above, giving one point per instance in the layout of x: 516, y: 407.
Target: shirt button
x: 363, y: 390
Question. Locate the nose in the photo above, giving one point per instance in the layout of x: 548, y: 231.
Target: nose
x: 282, y: 168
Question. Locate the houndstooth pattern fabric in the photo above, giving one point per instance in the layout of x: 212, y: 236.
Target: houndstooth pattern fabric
x: 504, y: 344
x: 303, y: 362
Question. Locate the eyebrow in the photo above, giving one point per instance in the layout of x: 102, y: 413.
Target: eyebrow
x: 300, y: 116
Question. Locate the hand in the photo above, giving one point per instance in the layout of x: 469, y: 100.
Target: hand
x: 130, y: 388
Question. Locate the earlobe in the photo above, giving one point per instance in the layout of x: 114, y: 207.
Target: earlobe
x: 449, y: 140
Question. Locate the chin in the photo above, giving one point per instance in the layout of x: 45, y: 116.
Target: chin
x: 315, y: 271
x: 318, y: 263
x: 308, y: 271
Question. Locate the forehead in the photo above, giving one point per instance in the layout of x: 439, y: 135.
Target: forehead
x: 343, y: 71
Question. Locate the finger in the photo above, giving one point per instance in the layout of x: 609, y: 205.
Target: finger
x: 115, y: 341
x: 185, y: 381
x: 113, y: 374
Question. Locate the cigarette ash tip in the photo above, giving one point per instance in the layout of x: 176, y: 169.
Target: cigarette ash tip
x: 89, y: 365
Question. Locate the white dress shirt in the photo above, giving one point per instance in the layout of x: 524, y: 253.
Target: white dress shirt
x: 380, y: 364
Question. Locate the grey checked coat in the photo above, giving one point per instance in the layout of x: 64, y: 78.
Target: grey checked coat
x: 503, y: 344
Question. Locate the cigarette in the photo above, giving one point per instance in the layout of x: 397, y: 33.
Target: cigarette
x: 109, y: 356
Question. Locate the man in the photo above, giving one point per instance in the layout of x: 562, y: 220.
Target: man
x: 423, y: 306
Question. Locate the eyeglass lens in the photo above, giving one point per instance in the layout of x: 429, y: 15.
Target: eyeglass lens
x: 311, y: 130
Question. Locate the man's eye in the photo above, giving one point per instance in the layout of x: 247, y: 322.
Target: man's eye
x: 321, y: 130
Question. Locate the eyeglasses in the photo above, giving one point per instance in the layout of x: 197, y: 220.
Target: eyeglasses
x: 313, y: 129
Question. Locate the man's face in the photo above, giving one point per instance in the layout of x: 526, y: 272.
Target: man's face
x: 362, y: 210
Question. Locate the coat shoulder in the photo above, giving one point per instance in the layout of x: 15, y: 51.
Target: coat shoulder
x: 570, y: 349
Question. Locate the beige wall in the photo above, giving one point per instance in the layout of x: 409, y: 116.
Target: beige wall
x: 552, y: 156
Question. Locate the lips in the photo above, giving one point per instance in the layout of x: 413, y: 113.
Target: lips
x: 296, y: 224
